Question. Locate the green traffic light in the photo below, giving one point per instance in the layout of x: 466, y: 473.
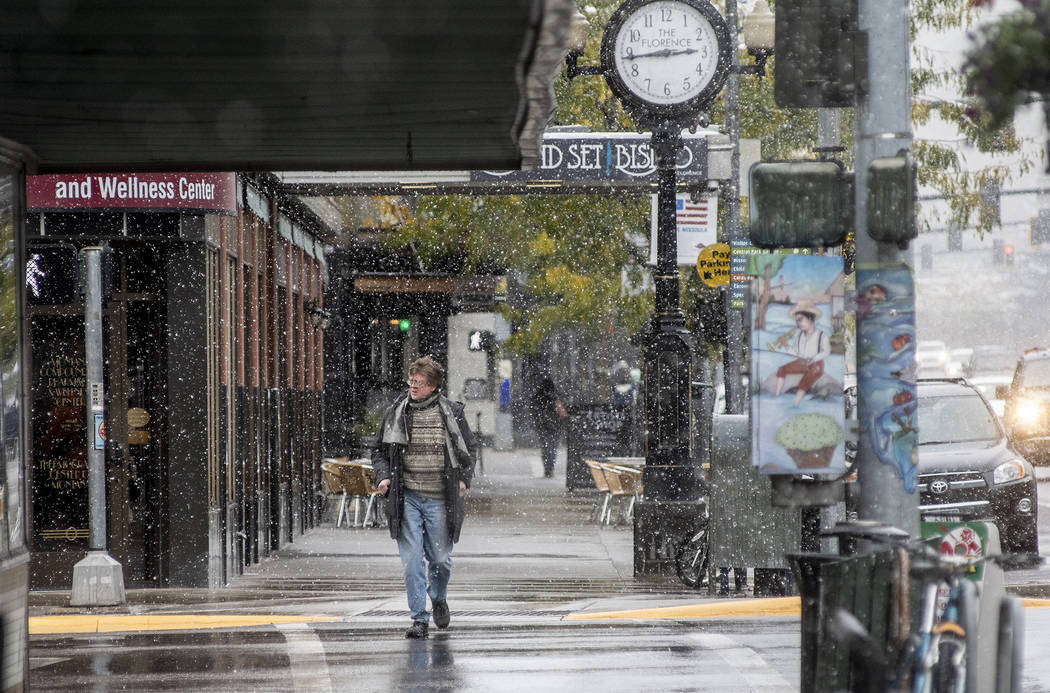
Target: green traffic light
x: 405, y: 325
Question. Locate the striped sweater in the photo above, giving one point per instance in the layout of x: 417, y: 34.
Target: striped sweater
x: 424, y: 463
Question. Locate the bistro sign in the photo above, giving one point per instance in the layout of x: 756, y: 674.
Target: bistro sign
x: 602, y: 158
x: 191, y: 192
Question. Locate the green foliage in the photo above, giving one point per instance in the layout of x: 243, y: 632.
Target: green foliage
x: 570, y: 250
x: 1011, y: 61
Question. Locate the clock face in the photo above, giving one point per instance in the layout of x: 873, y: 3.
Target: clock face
x: 667, y: 55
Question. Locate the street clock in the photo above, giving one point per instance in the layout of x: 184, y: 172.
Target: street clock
x: 666, y: 59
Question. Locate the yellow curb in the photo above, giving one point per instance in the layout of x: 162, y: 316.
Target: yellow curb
x: 42, y: 625
x: 772, y: 606
x: 776, y: 606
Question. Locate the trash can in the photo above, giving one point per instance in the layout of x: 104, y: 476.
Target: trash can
x: 868, y: 586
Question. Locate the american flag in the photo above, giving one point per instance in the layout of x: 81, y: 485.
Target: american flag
x: 689, y: 213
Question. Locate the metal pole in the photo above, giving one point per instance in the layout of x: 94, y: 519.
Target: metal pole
x: 669, y: 473
x: 734, y: 352
x: 98, y: 579
x: 96, y: 396
x: 672, y: 485
x: 883, y: 128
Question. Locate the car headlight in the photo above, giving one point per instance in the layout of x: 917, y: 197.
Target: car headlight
x: 1008, y: 471
x: 1027, y: 412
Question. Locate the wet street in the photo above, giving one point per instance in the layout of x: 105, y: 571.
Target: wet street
x: 497, y: 656
x: 538, y: 597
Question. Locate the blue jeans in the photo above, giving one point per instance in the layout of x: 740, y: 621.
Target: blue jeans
x: 424, y: 534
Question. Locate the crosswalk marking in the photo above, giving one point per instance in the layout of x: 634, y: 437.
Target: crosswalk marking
x: 760, y: 676
x: 306, y: 658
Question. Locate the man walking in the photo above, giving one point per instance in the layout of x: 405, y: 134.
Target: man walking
x: 424, y: 461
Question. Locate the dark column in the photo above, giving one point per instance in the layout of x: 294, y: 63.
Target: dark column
x: 187, y: 516
x: 672, y: 486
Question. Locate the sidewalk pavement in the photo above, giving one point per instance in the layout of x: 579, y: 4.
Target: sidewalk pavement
x: 528, y: 554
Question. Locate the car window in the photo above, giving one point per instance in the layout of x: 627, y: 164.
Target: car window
x: 955, y: 419
x: 1036, y: 373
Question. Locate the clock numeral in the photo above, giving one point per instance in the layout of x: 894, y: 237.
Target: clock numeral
x: 699, y: 70
x: 629, y: 53
x: 667, y: 88
x: 699, y: 33
x: 648, y: 21
x: 634, y: 36
x: 685, y: 20
x: 648, y: 84
x: 634, y: 70
x: 665, y: 15
x: 686, y: 86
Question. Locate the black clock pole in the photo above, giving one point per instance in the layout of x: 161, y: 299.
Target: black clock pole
x: 670, y: 476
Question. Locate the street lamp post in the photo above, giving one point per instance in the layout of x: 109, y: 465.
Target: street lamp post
x: 666, y: 61
x: 669, y: 473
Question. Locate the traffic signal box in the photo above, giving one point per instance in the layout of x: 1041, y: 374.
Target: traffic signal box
x: 822, y: 62
x: 809, y: 204
x: 891, y: 199
x: 800, y: 204
x: 820, y: 54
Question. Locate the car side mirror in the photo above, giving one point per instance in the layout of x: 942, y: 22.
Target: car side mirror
x: 1002, y: 391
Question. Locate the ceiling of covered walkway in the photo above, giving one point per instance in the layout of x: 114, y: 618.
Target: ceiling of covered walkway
x: 263, y: 85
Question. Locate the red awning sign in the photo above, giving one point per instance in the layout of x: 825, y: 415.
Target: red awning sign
x: 190, y: 192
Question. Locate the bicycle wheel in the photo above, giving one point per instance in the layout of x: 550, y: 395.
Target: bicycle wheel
x: 1011, y: 646
x: 949, y: 674
x: 690, y: 561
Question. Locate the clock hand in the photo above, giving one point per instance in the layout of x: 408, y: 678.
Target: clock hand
x: 664, y: 53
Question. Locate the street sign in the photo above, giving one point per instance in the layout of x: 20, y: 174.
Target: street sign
x: 100, y: 433
x: 713, y: 264
x: 696, y: 226
x: 739, y: 280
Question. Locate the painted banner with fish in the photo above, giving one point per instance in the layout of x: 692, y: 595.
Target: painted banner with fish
x: 886, y: 367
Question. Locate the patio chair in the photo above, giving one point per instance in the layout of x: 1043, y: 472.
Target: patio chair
x: 332, y: 476
x: 614, y: 477
x: 631, y: 480
x: 601, y: 504
x: 375, y: 497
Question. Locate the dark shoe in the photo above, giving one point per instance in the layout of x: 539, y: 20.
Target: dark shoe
x: 441, y: 614
x: 419, y: 630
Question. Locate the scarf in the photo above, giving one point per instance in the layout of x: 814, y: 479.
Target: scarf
x: 395, y: 433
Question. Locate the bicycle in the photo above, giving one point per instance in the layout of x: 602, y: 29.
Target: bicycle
x: 940, y: 655
x: 691, y: 557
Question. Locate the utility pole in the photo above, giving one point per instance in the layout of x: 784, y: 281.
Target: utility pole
x: 98, y: 579
x: 886, y: 474
x: 734, y: 351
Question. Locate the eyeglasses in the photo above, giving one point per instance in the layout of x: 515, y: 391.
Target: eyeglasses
x: 417, y: 383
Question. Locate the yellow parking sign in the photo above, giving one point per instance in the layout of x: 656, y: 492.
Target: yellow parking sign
x: 713, y: 264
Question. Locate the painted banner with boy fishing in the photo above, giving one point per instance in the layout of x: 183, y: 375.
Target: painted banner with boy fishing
x: 798, y: 335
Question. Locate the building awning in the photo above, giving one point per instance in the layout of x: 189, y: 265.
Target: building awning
x: 125, y: 85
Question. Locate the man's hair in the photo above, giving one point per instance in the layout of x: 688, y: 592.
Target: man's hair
x: 429, y: 369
